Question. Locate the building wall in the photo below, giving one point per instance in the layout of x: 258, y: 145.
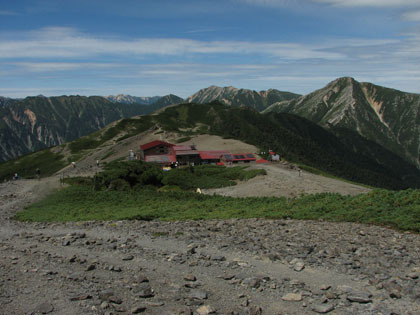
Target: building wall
x: 158, y: 150
x: 188, y: 159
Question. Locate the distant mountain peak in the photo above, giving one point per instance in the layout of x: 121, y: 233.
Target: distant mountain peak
x: 385, y: 116
x: 128, y: 99
x: 233, y: 96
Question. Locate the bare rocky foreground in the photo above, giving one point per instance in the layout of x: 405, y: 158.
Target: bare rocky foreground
x: 201, y: 267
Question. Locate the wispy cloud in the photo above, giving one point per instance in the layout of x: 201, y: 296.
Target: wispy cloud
x: 271, y: 2
x: 5, y: 12
x: 110, y: 65
x: 371, y: 3
x: 44, y: 67
x: 341, y: 3
x: 68, y: 43
x: 412, y: 16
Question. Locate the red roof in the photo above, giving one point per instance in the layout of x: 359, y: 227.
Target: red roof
x: 212, y: 155
x: 155, y: 144
x: 244, y: 157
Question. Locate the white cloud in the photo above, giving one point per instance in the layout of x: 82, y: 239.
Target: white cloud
x: 370, y: 3
x: 4, y: 12
x: 44, y: 67
x: 270, y: 2
x: 55, y: 57
x: 412, y: 16
x: 68, y: 43
x: 341, y: 3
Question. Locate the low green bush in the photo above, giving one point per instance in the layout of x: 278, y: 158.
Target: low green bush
x: 207, y: 176
x: 400, y: 210
x: 122, y: 175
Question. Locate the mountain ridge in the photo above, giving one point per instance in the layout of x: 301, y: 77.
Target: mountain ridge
x: 38, y: 122
x: 129, y: 99
x: 386, y: 116
x: 294, y: 138
x: 240, y: 97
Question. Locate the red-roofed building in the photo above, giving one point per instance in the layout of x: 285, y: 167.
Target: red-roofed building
x: 238, y: 158
x: 158, y: 152
x: 156, y: 148
x: 212, y: 157
x: 155, y: 144
x: 186, y: 154
x: 166, y: 153
x: 244, y: 158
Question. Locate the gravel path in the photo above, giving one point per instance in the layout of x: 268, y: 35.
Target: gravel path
x: 288, y: 181
x: 201, y: 267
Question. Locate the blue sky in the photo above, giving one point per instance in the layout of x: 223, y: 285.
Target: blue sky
x: 157, y: 47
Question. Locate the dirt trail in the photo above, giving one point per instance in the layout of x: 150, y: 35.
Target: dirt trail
x: 204, y: 267
x: 286, y: 180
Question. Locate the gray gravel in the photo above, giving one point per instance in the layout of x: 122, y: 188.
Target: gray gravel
x: 250, y: 266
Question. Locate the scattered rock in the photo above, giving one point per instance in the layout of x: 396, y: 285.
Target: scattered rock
x: 299, y: 266
x: 146, y: 292
x: 255, y: 310
x: 81, y: 297
x: 205, y: 310
x: 141, y: 279
x: 190, y: 277
x: 413, y: 275
x: 138, y: 309
x: 128, y: 257
x: 218, y: 258
x: 198, y: 294
x: 115, y: 300
x: 325, y: 287
x: 323, y: 308
x: 105, y: 295
x: 292, y: 297
x: 395, y: 294
x: 359, y: 297
x: 44, y: 308
x: 91, y: 267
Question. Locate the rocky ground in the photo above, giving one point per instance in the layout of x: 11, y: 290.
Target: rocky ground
x: 201, y: 267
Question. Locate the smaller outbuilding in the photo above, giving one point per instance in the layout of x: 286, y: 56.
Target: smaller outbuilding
x: 243, y: 158
x: 212, y: 157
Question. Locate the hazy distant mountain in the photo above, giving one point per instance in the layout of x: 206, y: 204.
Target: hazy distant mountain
x: 386, y: 116
x: 167, y: 100
x: 5, y: 101
x: 37, y: 122
x: 128, y: 99
x: 240, y: 97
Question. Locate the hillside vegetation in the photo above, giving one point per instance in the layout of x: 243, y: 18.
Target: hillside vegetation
x: 132, y: 190
x: 295, y: 139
